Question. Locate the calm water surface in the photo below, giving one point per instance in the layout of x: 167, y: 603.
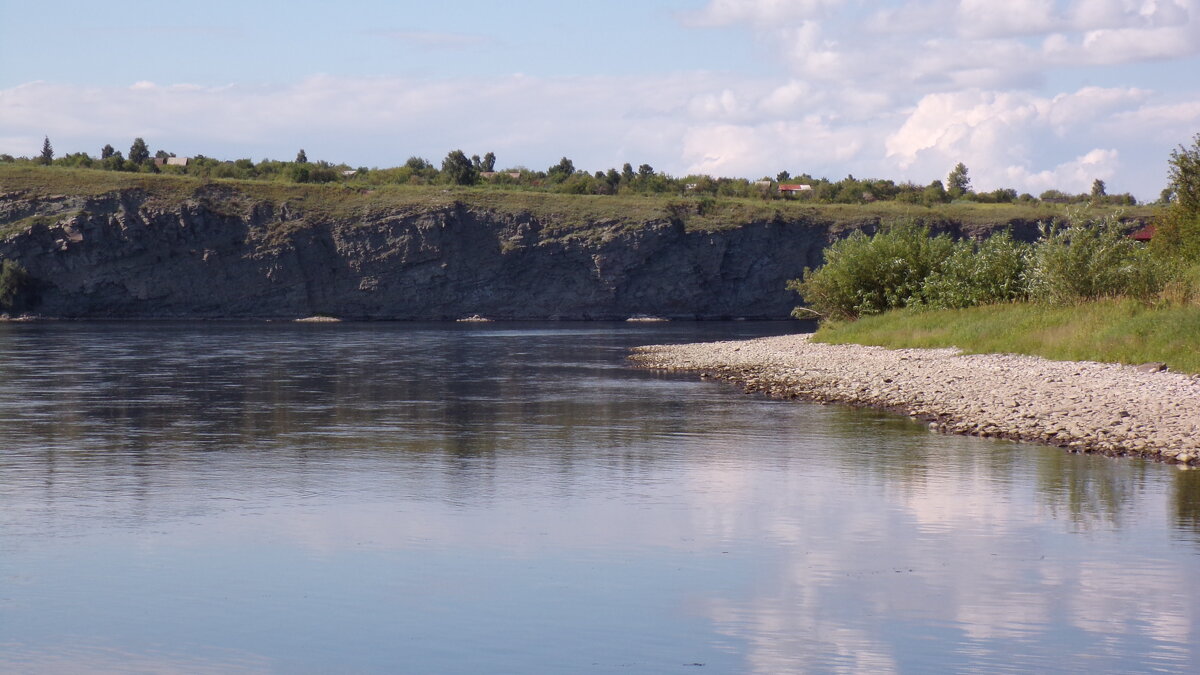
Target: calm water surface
x: 512, y: 498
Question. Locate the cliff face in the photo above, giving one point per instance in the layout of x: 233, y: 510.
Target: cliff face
x: 214, y: 254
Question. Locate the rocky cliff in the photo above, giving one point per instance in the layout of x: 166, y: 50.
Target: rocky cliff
x: 221, y: 252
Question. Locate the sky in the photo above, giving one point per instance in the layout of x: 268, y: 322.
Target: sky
x: 1028, y: 94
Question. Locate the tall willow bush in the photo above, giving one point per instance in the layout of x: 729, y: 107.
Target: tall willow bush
x: 1091, y: 261
x: 904, y: 265
x: 978, y: 274
x: 872, y: 274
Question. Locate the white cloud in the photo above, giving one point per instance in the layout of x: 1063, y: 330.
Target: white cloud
x: 988, y: 18
x: 1072, y: 176
x: 936, y: 45
x: 998, y: 135
x: 805, y: 145
x: 951, y: 125
x: 1169, y: 122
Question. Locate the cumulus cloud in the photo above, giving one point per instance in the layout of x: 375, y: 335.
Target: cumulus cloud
x: 934, y: 82
x: 998, y: 134
x: 809, y: 145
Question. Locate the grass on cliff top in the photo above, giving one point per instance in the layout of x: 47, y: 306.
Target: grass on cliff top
x: 316, y: 203
x: 1112, y: 331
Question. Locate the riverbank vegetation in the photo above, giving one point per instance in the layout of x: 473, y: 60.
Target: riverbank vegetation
x: 1084, y: 291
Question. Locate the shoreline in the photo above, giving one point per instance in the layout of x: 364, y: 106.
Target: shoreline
x: 1082, y: 406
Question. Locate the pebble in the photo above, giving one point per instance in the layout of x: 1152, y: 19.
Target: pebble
x: 1084, y: 406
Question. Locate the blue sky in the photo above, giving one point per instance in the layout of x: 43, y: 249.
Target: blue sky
x: 1030, y: 94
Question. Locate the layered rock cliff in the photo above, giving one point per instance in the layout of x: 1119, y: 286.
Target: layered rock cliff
x: 220, y: 252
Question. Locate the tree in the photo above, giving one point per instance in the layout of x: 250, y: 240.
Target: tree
x: 138, y: 152
x: 934, y: 194
x: 114, y: 162
x: 301, y: 157
x: 645, y: 171
x: 958, y: 183
x: 627, y: 172
x: 489, y: 161
x: 107, y: 151
x: 458, y: 169
x: 1184, y: 174
x: 47, y: 155
x: 562, y: 170
x: 783, y: 176
x: 1098, y: 189
x: 1179, y: 227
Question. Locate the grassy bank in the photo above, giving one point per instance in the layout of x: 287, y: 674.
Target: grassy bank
x: 1117, y: 331
x: 555, y: 210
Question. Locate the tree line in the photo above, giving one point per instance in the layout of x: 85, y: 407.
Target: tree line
x: 459, y: 169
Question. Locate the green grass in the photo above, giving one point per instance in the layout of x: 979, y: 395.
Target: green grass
x: 578, y: 214
x: 1115, y: 331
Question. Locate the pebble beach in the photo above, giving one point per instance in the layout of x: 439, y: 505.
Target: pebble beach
x: 1086, y: 407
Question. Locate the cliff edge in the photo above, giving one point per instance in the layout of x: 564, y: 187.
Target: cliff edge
x: 158, y: 248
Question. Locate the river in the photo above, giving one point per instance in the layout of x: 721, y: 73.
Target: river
x: 513, y: 498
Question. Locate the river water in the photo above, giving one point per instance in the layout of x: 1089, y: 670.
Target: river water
x: 512, y: 498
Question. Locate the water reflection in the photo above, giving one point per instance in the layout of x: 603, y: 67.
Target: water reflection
x: 1185, y: 503
x: 248, y: 497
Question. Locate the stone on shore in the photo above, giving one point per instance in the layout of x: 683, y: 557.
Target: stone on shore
x: 1089, y: 407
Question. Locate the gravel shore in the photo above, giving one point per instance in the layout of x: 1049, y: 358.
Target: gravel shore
x: 1083, y: 406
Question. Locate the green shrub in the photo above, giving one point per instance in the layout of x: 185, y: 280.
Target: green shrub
x: 992, y: 271
x: 868, y: 275
x: 904, y: 266
x: 1183, y: 288
x: 1092, y: 260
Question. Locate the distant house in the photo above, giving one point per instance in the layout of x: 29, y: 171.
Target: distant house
x: 489, y: 175
x: 178, y: 161
x: 349, y: 172
x: 762, y: 184
x: 793, y: 188
x: 1144, y: 234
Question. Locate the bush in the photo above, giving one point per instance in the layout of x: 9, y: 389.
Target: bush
x: 904, y: 266
x: 1092, y: 260
x: 869, y: 275
x: 990, y: 272
x: 1183, y: 287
